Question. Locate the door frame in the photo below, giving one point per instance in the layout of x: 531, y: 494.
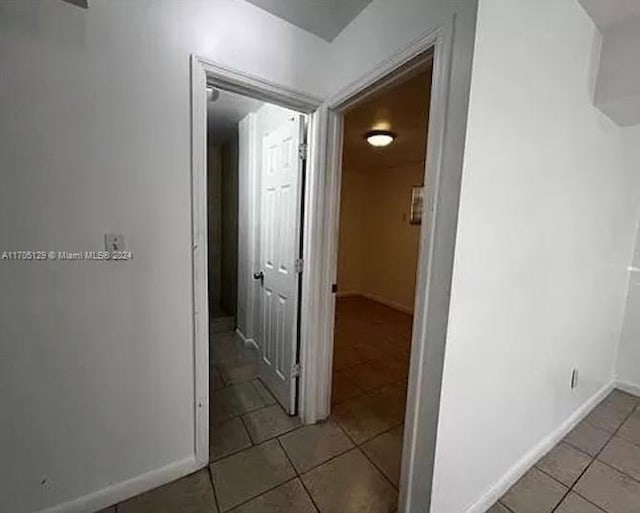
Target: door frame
x: 435, y: 265
x: 205, y: 72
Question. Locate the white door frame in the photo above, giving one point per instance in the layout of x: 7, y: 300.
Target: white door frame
x: 205, y: 72
x: 435, y: 266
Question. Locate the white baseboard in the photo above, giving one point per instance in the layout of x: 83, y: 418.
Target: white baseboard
x: 630, y: 388
x: 347, y: 294
x: 247, y: 341
x: 126, y: 489
x: 377, y: 299
x: 537, y: 452
x: 389, y: 303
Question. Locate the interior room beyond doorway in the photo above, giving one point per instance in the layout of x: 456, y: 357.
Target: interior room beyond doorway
x: 382, y: 186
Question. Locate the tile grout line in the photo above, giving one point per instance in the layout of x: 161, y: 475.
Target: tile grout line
x: 298, y: 475
x: 254, y: 497
x: 213, y: 488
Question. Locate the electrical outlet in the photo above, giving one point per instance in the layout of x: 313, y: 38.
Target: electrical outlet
x: 113, y: 242
x: 574, y: 379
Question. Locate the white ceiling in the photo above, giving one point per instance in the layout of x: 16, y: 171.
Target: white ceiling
x: 324, y: 18
x: 606, y: 13
x: 224, y: 114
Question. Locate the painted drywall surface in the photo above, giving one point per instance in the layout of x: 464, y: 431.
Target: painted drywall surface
x: 247, y: 210
x: 393, y: 240
x: 96, y: 360
x: 229, y: 228
x: 378, y: 247
x: 618, y: 84
x: 214, y: 227
x: 352, y: 250
x: 547, y: 215
x: 385, y: 28
x: 222, y: 207
x: 628, y: 364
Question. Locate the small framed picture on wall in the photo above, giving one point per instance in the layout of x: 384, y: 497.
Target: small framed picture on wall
x: 417, y: 201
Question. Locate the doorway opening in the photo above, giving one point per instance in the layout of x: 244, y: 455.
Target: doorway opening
x: 380, y: 219
x: 255, y: 183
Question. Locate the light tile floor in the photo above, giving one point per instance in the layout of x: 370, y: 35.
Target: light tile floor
x: 595, y: 469
x: 264, y: 461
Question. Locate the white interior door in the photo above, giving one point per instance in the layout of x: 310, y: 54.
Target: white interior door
x: 280, y: 226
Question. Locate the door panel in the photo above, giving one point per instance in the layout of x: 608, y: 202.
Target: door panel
x: 281, y: 207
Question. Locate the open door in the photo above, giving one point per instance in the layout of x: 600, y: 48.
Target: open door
x: 280, y: 226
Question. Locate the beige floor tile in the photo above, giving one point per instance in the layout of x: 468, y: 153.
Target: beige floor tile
x: 573, y: 503
x: 385, y: 451
x: 290, y: 497
x: 391, y: 400
x: 229, y: 350
x: 228, y: 437
x: 191, y: 494
x: 239, y: 374
x: 269, y: 422
x: 249, y: 473
x: 309, y: 446
x: 606, y: 417
x: 266, y: 396
x: 535, y: 492
x: 622, y: 401
x: 364, y: 417
x: 630, y: 430
x: 238, y: 399
x: 588, y: 438
x: 624, y: 456
x: 565, y: 463
x: 216, y: 380
x: 498, y: 508
x: 350, y: 484
x: 609, y: 489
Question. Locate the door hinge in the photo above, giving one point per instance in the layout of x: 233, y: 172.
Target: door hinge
x: 302, y: 151
x: 299, y: 265
x: 295, y: 370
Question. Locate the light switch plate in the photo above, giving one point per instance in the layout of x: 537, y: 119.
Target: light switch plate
x: 113, y: 242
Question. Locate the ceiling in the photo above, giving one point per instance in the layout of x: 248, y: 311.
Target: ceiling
x: 224, y: 114
x: 324, y: 18
x: 403, y: 109
x: 606, y: 13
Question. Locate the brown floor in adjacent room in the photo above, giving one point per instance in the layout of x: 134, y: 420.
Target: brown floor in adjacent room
x: 595, y: 469
x: 262, y: 460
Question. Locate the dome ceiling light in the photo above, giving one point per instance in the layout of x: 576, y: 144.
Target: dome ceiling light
x: 380, y: 138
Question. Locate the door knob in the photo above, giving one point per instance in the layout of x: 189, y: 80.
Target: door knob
x: 258, y: 276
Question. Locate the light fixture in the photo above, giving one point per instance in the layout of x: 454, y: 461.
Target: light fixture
x: 212, y: 94
x: 380, y: 138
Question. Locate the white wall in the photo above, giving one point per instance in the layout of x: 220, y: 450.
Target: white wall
x: 547, y: 215
x: 352, y: 247
x: 378, y: 247
x: 229, y: 227
x: 214, y: 227
x: 628, y: 367
x: 96, y: 360
x: 618, y: 85
x: 247, y: 224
